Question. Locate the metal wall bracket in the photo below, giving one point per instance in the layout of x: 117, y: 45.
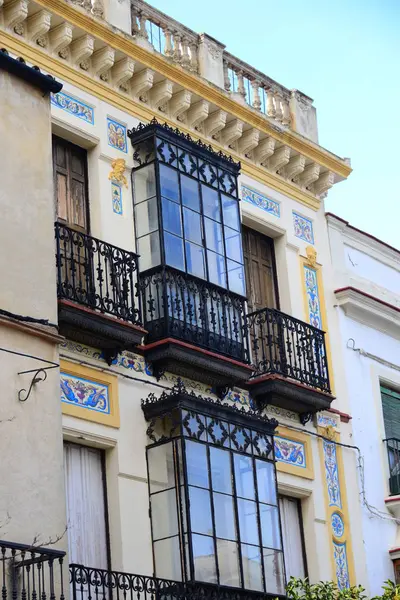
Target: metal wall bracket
x: 40, y: 375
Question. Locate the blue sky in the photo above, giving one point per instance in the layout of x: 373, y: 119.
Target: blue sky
x: 345, y: 54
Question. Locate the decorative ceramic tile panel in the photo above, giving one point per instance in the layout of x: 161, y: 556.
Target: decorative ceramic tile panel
x: 324, y: 421
x: 127, y: 360
x: 116, y: 135
x: 84, y: 393
x: 73, y: 106
x: 116, y: 194
x: 337, y: 525
x: 303, y: 228
x: 342, y: 567
x: 313, y: 301
x: 258, y: 199
x: 290, y: 452
x: 331, y: 474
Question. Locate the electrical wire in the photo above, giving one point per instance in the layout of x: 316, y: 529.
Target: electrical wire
x: 26, y: 319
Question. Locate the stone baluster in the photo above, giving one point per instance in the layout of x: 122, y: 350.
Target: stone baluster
x: 256, y: 95
x: 227, y: 81
x: 142, y: 33
x: 270, y: 103
x: 185, y: 53
x: 135, y: 27
x: 241, y: 89
x: 278, y: 106
x: 168, y: 50
x: 177, y: 56
x: 285, y: 112
x: 193, y: 57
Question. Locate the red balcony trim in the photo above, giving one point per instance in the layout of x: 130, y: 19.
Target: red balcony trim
x: 289, y: 379
x: 353, y: 289
x: 102, y: 315
x: 344, y: 417
x: 388, y: 501
x: 147, y: 347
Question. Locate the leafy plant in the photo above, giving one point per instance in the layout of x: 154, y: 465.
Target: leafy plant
x: 302, y: 589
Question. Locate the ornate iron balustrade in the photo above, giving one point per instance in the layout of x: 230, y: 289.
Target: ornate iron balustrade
x: 96, y: 274
x: 287, y: 346
x: 180, y: 306
x: 99, y: 584
x: 30, y: 573
x: 393, y: 450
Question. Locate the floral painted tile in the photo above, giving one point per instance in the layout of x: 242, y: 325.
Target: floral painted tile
x: 303, y: 228
x: 84, y: 393
x: 116, y: 194
x: 260, y: 200
x: 116, y: 135
x: 290, y: 452
x: 73, y: 106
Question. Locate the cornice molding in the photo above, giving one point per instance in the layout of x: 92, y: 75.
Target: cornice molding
x: 124, y: 43
x: 141, y: 111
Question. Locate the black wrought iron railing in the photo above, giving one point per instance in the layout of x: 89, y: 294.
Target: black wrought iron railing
x: 30, y: 573
x: 98, y: 584
x: 96, y: 274
x: 181, y: 306
x: 393, y: 451
x: 289, y: 347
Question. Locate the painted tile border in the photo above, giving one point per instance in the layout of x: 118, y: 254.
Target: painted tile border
x: 98, y: 379
x: 258, y: 199
x: 116, y: 135
x: 84, y: 393
x: 116, y: 198
x: 302, y: 442
x: 290, y: 452
x: 303, y: 227
x: 73, y: 106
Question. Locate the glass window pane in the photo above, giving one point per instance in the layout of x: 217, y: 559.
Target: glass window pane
x: 236, y: 277
x: 171, y: 214
x: 216, y: 268
x: 251, y: 560
x: 230, y: 210
x: 270, y: 532
x: 190, y: 193
x: 196, y: 464
x: 214, y: 239
x: 144, y: 184
x: 274, y: 572
x: 164, y: 517
x: 204, y: 558
x: 224, y: 517
x: 149, y: 251
x: 146, y: 217
x: 169, y: 183
x: 160, y: 460
x: 266, y: 482
x: 195, y: 260
x: 248, y: 521
x: 228, y: 563
x: 200, y: 511
x: 192, y: 225
x: 174, y: 251
x: 211, y: 203
x: 168, y: 559
x: 244, y: 476
x: 221, y: 470
x: 233, y: 244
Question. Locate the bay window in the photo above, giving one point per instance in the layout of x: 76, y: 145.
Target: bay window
x: 213, y: 497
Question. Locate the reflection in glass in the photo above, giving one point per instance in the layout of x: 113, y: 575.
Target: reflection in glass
x: 224, y: 517
x: 190, y: 193
x: 211, y: 203
x: 192, y: 225
x: 248, y: 521
x: 274, y: 571
x: 146, y: 217
x: 174, y: 251
x: 204, y: 558
x: 200, y: 511
x: 236, y: 277
x: 149, y: 251
x: 244, y: 476
x: 196, y: 461
x: 167, y: 559
x: 266, y: 482
x: 216, y: 268
x: 228, y: 563
x: 220, y: 470
x: 230, y: 209
x: 172, y: 217
x: 144, y: 184
x: 195, y: 261
x: 214, y: 239
x: 270, y: 532
x: 252, y: 576
x: 169, y: 183
x: 233, y: 244
x: 160, y: 460
x: 163, y: 514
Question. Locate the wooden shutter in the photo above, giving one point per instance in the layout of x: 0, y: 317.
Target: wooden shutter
x: 391, y: 412
x: 70, y: 184
x: 86, y: 512
x: 292, y: 534
x: 259, y: 264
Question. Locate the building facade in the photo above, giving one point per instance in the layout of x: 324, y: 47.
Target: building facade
x: 186, y: 424
x: 367, y: 292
